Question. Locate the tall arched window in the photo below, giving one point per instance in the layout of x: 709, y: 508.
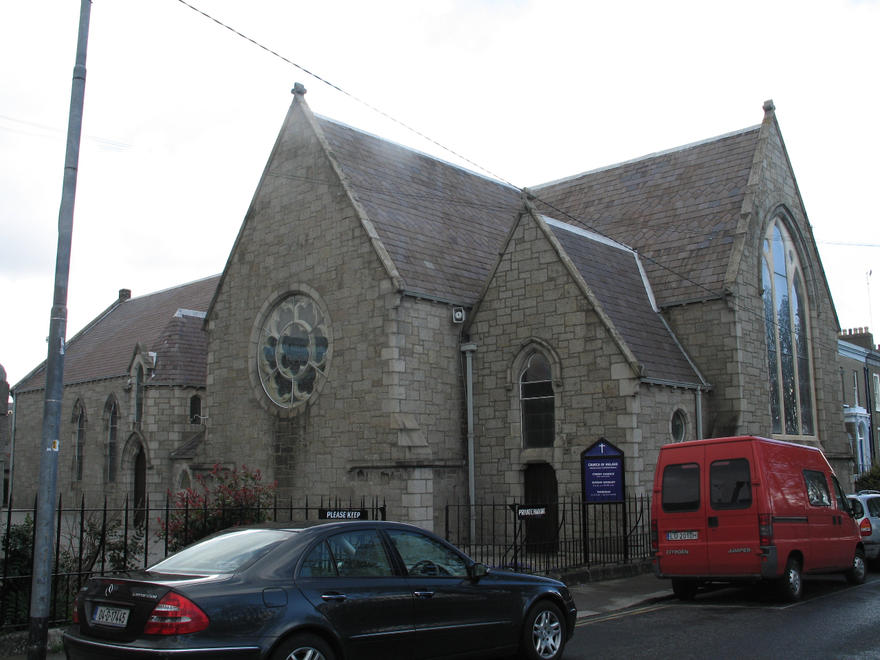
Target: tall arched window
x: 79, y: 440
x: 112, y: 440
x: 139, y: 394
x: 537, y: 402
x: 786, y: 312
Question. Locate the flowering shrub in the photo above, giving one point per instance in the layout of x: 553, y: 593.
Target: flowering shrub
x: 220, y: 499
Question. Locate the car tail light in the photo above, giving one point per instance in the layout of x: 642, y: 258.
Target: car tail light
x: 175, y: 615
x: 655, y: 536
x: 765, y: 528
x: 865, y: 527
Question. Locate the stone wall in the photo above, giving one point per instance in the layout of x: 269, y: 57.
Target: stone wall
x: 533, y: 301
x: 164, y: 427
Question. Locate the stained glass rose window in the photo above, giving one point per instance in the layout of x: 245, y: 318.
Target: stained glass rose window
x: 292, y: 351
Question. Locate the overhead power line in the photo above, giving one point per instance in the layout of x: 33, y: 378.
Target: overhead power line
x: 531, y: 195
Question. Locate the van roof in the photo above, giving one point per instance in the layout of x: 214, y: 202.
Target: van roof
x: 738, y: 438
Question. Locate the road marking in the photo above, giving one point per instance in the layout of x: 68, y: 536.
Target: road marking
x: 620, y: 615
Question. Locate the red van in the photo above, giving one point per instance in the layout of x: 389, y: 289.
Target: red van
x: 748, y: 509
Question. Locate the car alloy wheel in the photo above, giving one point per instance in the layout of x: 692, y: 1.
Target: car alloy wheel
x: 545, y: 634
x: 304, y: 647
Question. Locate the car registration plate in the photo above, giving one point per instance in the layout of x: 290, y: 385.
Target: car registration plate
x: 111, y: 616
x: 689, y: 535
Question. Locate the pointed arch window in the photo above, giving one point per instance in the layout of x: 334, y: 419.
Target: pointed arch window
x: 79, y: 440
x: 139, y: 394
x: 786, y: 310
x: 112, y: 441
x: 537, y: 402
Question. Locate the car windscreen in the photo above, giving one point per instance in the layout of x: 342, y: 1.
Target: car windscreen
x: 222, y: 554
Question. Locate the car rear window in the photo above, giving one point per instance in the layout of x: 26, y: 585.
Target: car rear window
x: 873, y: 506
x: 856, y: 506
x: 222, y: 554
x: 730, y: 484
x: 681, y: 487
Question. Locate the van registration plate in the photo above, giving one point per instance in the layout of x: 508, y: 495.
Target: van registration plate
x: 111, y: 616
x: 689, y: 535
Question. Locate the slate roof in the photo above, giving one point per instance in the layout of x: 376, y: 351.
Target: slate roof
x: 680, y: 207
x: 441, y: 224
x: 105, y: 347
x: 613, y: 275
x: 182, y: 347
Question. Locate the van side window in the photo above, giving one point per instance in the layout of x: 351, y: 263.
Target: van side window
x: 730, y: 484
x: 817, y: 488
x: 681, y: 487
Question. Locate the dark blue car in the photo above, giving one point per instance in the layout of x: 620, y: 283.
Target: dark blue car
x: 336, y: 591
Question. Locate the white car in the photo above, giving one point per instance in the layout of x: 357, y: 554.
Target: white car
x: 866, y: 511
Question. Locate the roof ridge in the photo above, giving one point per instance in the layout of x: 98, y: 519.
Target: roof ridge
x: 418, y: 152
x: 174, y: 288
x: 655, y: 154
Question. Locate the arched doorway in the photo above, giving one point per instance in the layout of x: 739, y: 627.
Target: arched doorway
x: 541, y: 489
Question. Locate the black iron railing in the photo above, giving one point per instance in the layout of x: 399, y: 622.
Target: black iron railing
x: 105, y: 540
x: 547, y: 537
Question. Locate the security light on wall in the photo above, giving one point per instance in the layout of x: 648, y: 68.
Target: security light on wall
x: 458, y: 315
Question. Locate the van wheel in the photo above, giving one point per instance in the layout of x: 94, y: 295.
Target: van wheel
x: 856, y: 574
x: 684, y: 589
x: 791, y: 586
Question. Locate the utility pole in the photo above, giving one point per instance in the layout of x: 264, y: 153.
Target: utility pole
x: 41, y: 584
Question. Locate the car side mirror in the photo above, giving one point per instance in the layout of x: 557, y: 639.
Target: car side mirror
x: 476, y: 571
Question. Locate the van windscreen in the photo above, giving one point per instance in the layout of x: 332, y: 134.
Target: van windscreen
x: 681, y: 487
x: 730, y: 484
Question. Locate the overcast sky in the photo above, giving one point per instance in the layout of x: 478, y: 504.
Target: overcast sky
x: 181, y: 113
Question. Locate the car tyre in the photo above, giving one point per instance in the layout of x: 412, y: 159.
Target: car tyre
x: 684, y: 589
x: 304, y: 647
x: 859, y: 570
x: 791, y: 585
x: 544, y: 634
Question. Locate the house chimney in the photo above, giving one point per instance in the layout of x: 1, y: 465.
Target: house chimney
x: 124, y: 294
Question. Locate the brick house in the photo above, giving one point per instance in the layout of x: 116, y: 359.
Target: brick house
x: 388, y: 324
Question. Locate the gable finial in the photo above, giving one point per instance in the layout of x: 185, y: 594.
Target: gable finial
x: 298, y: 89
x: 769, y: 106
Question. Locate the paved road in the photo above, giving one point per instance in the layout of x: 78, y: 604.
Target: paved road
x: 833, y: 620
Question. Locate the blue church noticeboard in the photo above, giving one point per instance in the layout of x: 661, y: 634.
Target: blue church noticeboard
x: 602, y: 473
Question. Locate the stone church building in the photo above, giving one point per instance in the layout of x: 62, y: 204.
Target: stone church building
x: 388, y: 324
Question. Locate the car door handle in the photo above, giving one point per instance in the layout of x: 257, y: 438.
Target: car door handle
x: 423, y: 594
x: 333, y: 597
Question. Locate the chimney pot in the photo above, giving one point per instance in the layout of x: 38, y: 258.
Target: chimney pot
x: 124, y: 294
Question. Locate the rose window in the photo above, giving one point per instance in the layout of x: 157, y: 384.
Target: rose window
x: 292, y: 355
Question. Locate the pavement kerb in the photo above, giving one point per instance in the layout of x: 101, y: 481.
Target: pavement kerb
x: 603, y: 590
